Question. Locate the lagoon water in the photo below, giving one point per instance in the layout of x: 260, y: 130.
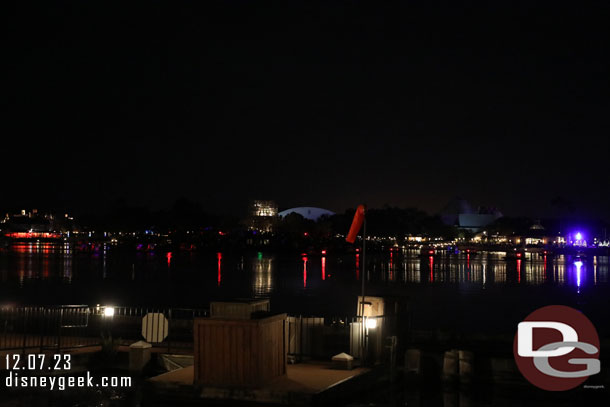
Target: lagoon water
x: 456, y: 293
x: 45, y: 273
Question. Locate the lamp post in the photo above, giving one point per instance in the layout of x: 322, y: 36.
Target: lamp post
x: 358, y: 222
x: 363, y: 278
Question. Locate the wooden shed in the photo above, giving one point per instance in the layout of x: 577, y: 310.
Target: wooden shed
x: 239, y: 352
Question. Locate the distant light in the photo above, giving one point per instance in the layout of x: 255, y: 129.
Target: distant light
x: 371, y: 323
x: 108, y: 311
x: 578, y: 236
x: 323, y: 251
x: 305, y: 234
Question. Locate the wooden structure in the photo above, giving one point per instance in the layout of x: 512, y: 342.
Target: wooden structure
x: 239, y: 353
x: 373, y: 306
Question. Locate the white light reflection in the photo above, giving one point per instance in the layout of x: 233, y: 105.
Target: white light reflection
x: 578, y: 265
x: 262, y: 278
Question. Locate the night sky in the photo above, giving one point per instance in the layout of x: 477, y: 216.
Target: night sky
x: 311, y: 104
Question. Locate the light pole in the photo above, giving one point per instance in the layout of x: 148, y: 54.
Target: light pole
x: 363, y: 322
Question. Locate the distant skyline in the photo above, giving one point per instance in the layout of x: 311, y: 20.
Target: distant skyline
x: 310, y: 104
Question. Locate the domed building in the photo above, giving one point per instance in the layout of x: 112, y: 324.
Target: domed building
x: 308, y: 212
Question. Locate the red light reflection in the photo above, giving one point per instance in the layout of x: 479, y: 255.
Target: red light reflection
x: 323, y: 268
x: 304, y: 271
x: 219, y: 256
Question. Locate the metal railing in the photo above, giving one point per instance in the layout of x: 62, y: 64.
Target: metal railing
x: 62, y: 328
x: 75, y: 326
x: 315, y: 337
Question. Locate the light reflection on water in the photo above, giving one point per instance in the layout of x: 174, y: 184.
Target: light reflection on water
x: 264, y: 274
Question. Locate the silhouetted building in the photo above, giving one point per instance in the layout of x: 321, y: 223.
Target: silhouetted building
x: 263, y: 215
x: 28, y: 221
x: 460, y: 213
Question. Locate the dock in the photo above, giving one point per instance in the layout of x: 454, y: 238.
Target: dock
x: 303, y: 384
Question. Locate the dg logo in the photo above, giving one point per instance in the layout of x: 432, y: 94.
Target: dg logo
x: 556, y: 348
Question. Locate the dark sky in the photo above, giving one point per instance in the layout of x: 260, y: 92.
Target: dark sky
x: 322, y: 104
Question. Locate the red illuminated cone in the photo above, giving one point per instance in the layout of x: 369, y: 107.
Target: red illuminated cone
x: 356, y: 224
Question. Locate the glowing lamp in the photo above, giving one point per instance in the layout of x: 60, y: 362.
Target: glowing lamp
x: 578, y: 236
x: 108, y: 311
x: 371, y: 323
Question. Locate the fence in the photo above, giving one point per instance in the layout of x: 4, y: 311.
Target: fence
x: 76, y: 326
x: 315, y: 337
